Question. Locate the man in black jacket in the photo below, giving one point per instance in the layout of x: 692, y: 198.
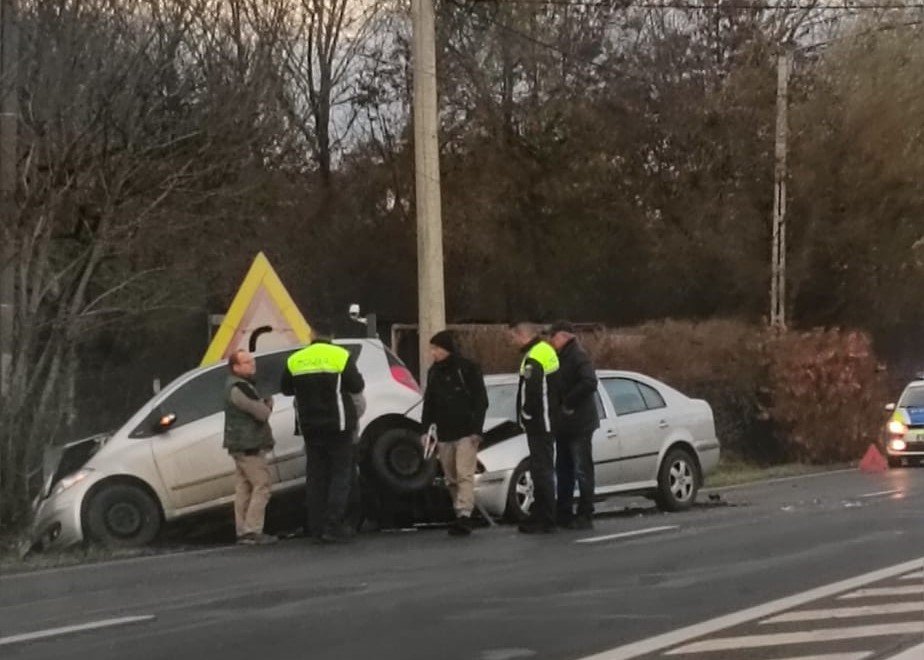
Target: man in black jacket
x: 577, y: 423
x: 323, y: 377
x: 456, y: 401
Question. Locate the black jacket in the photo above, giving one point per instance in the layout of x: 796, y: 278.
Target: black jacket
x: 578, y: 386
x: 321, y: 407
x: 538, y: 395
x: 455, y: 399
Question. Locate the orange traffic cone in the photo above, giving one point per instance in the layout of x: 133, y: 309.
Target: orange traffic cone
x: 873, y: 461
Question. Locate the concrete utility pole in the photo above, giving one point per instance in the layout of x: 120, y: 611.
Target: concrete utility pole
x: 778, y: 256
x: 431, y: 296
x: 9, y: 115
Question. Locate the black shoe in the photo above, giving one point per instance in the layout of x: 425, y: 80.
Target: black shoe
x: 583, y: 522
x: 461, y: 526
x: 536, y: 528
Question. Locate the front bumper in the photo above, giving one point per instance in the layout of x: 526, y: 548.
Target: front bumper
x: 491, y: 490
x: 913, y: 451
x: 57, y: 519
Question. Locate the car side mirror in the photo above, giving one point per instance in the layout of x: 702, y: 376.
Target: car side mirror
x: 890, y: 407
x: 165, y: 422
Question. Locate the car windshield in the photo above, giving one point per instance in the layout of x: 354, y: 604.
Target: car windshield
x: 502, y: 401
x: 913, y: 398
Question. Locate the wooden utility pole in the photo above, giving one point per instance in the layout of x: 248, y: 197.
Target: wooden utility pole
x: 9, y: 115
x: 431, y: 295
x: 778, y: 256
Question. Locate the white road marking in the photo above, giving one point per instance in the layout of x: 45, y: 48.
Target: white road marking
x: 915, y: 653
x: 625, y: 535
x: 917, y: 575
x: 847, y: 612
x: 879, y: 592
x: 801, y: 637
x: 881, y: 493
x: 681, y: 635
x: 67, y: 630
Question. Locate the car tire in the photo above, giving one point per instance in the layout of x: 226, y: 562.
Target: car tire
x: 122, y: 516
x: 894, y: 462
x: 520, y: 494
x: 397, y: 461
x: 678, y: 481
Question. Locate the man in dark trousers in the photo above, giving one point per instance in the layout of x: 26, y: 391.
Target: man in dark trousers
x: 538, y: 405
x: 577, y: 423
x: 456, y: 401
x: 323, y: 377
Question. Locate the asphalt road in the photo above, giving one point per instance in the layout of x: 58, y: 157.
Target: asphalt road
x: 496, y: 595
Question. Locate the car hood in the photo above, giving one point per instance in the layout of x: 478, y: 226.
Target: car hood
x: 60, y: 461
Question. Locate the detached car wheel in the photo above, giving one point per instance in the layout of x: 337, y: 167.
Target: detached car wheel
x: 122, y: 516
x: 397, y: 461
x: 678, y: 481
x: 521, y: 495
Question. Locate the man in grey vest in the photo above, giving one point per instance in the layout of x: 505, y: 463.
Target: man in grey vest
x: 248, y: 437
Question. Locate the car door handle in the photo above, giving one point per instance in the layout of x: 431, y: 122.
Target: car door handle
x: 663, y: 424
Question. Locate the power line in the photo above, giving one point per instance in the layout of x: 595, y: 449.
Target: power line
x: 707, y: 6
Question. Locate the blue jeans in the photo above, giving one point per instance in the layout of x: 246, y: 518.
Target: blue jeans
x: 574, y: 462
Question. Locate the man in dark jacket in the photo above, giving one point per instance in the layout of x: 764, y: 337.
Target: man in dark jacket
x: 456, y: 401
x: 247, y: 438
x: 537, y: 412
x: 323, y: 377
x: 577, y: 423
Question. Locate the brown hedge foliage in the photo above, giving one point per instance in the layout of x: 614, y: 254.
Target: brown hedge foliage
x: 798, y: 396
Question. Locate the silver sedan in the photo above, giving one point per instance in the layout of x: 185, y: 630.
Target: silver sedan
x: 652, y: 440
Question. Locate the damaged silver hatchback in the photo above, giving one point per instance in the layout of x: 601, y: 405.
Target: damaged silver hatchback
x: 167, y: 462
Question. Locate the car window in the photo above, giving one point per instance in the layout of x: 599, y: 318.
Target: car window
x: 653, y: 400
x: 625, y: 395
x: 269, y: 372
x: 200, y: 397
x: 913, y: 398
x: 502, y: 401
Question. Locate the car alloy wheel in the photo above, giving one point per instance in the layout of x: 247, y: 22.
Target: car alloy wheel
x: 525, y: 492
x: 682, y: 480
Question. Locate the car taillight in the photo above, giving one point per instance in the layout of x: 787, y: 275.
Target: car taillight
x: 404, y: 377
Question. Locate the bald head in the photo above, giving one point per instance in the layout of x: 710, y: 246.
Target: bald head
x: 242, y: 364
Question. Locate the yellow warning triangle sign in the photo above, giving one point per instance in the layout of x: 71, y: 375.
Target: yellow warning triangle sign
x: 261, y: 301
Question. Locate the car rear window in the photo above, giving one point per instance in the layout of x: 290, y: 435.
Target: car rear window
x: 913, y: 398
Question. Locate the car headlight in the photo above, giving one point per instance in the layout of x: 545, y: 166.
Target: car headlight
x: 898, y: 445
x: 897, y: 428
x: 71, y: 480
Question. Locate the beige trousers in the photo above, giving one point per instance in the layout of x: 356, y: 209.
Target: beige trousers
x: 459, y: 459
x: 251, y: 492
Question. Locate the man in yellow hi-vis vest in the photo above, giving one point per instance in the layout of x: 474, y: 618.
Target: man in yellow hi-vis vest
x: 323, y: 377
x: 538, y: 406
